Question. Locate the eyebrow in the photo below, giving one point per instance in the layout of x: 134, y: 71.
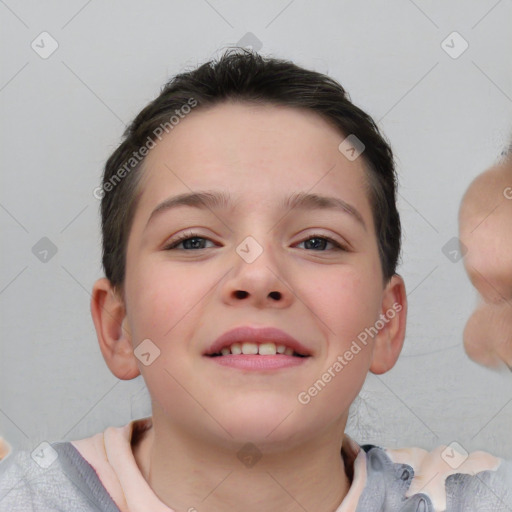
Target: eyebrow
x: 214, y: 200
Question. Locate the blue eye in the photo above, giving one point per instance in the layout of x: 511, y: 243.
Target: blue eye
x: 193, y: 241
x: 321, y: 242
x: 189, y: 241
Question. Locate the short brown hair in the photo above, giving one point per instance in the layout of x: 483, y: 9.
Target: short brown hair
x: 243, y: 75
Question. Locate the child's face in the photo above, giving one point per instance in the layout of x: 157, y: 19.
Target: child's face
x: 183, y: 299
x: 484, y: 224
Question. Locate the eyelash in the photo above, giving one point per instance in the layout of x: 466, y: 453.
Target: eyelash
x: 189, y: 235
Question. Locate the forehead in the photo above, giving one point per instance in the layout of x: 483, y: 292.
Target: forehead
x: 255, y: 152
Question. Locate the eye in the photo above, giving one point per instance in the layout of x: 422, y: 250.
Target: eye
x: 193, y: 241
x: 320, y: 241
x: 190, y: 240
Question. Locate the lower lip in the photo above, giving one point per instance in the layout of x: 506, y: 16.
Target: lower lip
x: 257, y: 362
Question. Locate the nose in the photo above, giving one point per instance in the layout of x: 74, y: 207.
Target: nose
x: 260, y: 282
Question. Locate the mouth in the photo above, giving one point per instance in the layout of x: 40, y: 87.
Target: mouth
x: 258, y: 343
x: 259, y: 349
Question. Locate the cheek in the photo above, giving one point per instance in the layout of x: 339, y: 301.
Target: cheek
x: 347, y: 301
x: 159, y: 296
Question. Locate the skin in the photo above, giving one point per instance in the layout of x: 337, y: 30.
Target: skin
x: 183, y: 299
x: 485, y: 219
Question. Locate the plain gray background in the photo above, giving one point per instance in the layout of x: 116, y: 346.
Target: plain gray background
x: 447, y: 118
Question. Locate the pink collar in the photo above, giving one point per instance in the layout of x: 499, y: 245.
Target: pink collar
x: 110, y: 454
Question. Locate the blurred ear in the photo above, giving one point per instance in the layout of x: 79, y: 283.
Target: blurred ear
x: 389, y: 341
x: 109, y: 316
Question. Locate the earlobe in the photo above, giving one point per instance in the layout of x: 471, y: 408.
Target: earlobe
x: 109, y: 316
x: 389, y: 341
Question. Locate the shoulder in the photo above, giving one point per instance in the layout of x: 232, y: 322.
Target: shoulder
x: 23, y: 481
x: 446, y: 479
x: 47, y: 479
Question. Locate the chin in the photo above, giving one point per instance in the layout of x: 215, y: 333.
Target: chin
x: 270, y: 424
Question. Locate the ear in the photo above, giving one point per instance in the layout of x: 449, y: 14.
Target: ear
x: 109, y: 316
x: 389, y: 340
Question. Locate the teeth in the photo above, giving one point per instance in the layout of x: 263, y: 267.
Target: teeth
x: 263, y: 349
x: 249, y: 348
x: 236, y: 348
x: 267, y: 349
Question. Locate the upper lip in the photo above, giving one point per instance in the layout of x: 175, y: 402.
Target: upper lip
x: 256, y: 335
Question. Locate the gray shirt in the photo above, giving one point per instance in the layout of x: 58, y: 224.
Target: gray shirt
x: 70, y: 483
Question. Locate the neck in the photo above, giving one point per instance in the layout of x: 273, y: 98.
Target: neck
x: 188, y: 474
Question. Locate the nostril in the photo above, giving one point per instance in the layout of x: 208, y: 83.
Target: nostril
x: 240, y: 294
